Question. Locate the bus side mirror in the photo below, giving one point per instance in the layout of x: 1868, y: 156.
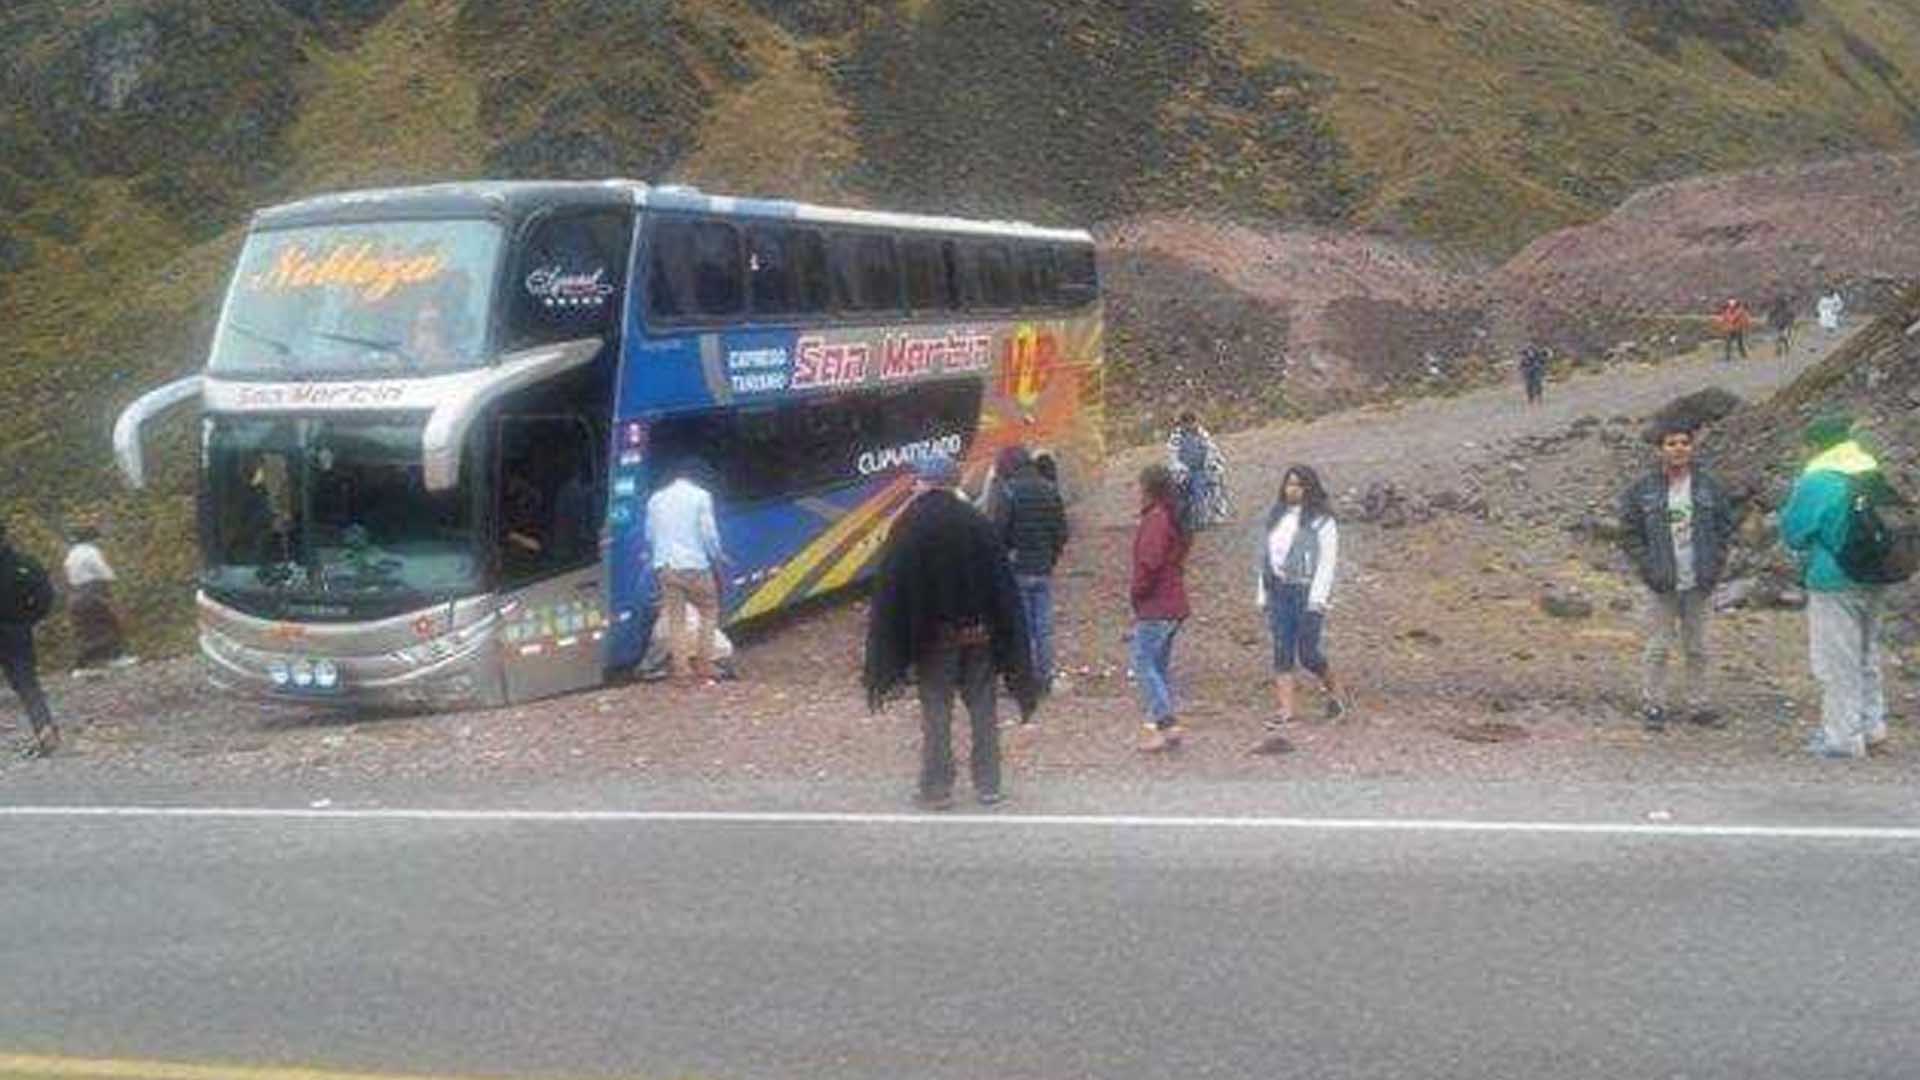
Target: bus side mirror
x: 133, y: 421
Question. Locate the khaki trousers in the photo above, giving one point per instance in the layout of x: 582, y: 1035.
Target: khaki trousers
x: 1682, y: 615
x: 680, y: 589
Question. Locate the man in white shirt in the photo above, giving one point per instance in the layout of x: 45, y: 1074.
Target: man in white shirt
x: 686, y: 559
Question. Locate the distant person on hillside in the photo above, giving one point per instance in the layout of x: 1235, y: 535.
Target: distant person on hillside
x: 26, y: 597
x: 1845, y: 605
x: 1733, y: 321
x: 1199, y: 475
x: 1299, y: 553
x: 1780, y: 321
x: 1159, y: 595
x: 946, y: 611
x: 1533, y: 372
x: 1676, y: 524
x: 1031, y: 521
x: 96, y: 627
x: 1831, y: 307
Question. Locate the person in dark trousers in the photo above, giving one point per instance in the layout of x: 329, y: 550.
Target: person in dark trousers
x: 26, y: 597
x: 946, y: 609
x: 1299, y: 553
x: 1032, y: 523
x: 1677, y: 524
x: 1159, y: 594
x: 1533, y: 372
x: 1780, y: 320
x: 1733, y: 321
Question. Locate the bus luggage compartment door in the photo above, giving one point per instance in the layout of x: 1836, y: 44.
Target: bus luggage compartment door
x: 552, y: 635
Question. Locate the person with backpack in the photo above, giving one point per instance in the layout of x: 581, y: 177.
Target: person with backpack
x: 1780, y: 321
x: 1677, y: 527
x: 1298, y: 556
x: 1159, y: 595
x: 26, y: 597
x: 1200, y: 475
x: 1848, y: 556
x: 1031, y: 521
x: 1533, y: 372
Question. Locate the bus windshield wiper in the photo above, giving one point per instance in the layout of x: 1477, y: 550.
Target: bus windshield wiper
x: 377, y: 344
x: 281, y: 348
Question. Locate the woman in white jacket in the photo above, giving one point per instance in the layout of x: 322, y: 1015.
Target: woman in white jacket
x: 1298, y: 557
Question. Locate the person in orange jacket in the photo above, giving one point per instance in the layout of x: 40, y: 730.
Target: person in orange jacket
x: 1733, y: 322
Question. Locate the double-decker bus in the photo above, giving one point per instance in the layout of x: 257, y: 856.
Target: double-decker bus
x: 431, y: 417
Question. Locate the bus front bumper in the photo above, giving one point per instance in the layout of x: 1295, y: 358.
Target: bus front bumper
x: 421, y: 660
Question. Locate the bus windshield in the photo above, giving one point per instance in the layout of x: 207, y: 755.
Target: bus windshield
x: 389, y: 298
x: 323, y: 515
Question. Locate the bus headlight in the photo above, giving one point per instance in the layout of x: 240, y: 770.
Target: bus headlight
x: 326, y: 675
x: 303, y: 673
x: 279, y: 673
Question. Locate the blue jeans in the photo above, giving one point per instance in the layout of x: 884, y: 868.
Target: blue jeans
x: 1036, y: 599
x: 1296, y: 631
x: 1153, y: 666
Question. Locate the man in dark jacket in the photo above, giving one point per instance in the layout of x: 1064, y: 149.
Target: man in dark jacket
x: 1159, y: 594
x: 1032, y: 523
x: 1676, y: 524
x: 26, y: 596
x: 945, y: 607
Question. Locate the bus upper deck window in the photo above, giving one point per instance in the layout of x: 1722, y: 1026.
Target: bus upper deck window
x: 769, y: 271
x: 571, y: 277
x: 1038, y: 279
x: 813, y: 283
x: 1079, y: 280
x: 996, y: 276
x: 926, y: 274
x: 696, y: 270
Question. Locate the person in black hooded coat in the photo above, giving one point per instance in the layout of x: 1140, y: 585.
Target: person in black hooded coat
x: 945, y: 609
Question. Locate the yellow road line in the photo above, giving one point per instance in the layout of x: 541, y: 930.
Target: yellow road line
x: 27, y: 1066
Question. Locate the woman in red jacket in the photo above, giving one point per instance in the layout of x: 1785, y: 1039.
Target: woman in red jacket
x: 1159, y: 604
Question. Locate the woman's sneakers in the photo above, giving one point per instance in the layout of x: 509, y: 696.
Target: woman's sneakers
x: 42, y: 743
x: 1157, y: 738
x: 1274, y: 742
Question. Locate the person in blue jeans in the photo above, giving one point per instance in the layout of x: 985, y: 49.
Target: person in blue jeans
x: 1298, y: 555
x: 1031, y: 521
x: 1159, y: 595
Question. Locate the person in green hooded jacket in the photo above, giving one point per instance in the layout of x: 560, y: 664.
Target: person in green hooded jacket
x: 1843, y: 615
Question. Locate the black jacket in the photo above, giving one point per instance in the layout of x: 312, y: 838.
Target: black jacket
x: 1645, y: 534
x: 942, y: 569
x: 1032, y: 522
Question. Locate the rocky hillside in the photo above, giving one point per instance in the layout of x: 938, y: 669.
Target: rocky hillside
x: 1415, y: 140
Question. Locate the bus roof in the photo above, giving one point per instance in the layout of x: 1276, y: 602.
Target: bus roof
x: 509, y: 199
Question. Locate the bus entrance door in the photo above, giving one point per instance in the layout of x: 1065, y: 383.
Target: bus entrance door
x: 553, y: 612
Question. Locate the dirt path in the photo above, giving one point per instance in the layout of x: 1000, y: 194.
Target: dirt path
x: 1435, y: 624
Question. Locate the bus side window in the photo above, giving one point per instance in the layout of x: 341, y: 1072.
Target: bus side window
x: 926, y: 274
x: 813, y: 281
x: 1079, y: 280
x: 953, y: 275
x: 770, y: 271
x: 1039, y: 282
x: 879, y: 273
x: 996, y: 276
x: 696, y: 270
x: 570, y: 277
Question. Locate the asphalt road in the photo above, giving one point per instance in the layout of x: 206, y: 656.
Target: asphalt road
x: 1003, y: 946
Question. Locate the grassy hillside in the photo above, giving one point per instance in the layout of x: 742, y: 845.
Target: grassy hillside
x: 144, y: 130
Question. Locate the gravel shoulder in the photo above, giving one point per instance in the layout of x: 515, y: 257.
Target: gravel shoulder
x: 1459, y: 675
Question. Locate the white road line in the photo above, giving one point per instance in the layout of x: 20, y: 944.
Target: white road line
x: 1079, y: 821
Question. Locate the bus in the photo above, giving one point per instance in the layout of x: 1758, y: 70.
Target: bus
x: 431, y: 417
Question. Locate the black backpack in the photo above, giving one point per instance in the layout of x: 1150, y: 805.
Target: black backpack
x: 1883, y: 535
x: 26, y: 594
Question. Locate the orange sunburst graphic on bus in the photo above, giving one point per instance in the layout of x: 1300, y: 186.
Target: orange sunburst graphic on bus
x: 1032, y: 355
